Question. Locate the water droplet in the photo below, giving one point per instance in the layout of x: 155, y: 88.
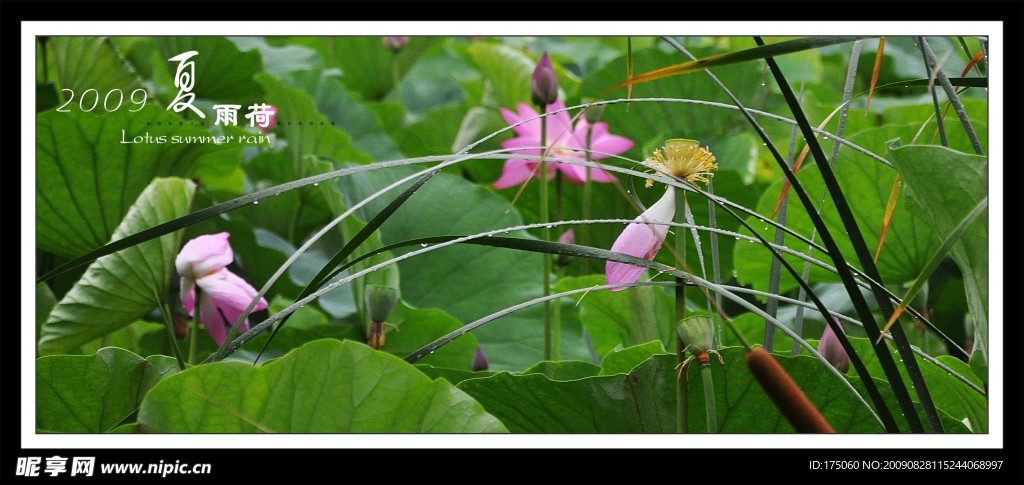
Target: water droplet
x: 765, y: 228
x: 764, y: 144
x: 315, y: 184
x: 762, y: 83
x: 423, y: 245
x: 255, y: 202
x: 826, y: 138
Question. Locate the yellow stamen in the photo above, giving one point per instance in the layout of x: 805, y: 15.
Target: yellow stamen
x: 684, y: 159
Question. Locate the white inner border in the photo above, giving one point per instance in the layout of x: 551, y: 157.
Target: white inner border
x: 994, y: 30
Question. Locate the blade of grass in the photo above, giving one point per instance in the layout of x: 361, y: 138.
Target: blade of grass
x: 629, y: 67
x: 759, y: 52
x: 803, y: 156
x: 775, y: 273
x: 933, y: 263
x: 716, y: 266
x: 932, y: 62
x: 874, y: 72
x: 935, y: 96
x: 851, y: 78
x: 979, y: 64
x: 890, y: 209
x: 864, y: 256
x: 962, y: 82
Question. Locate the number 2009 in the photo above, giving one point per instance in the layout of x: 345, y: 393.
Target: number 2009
x: 108, y: 100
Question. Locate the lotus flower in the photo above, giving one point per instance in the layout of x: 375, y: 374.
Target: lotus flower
x: 642, y: 238
x: 563, y: 141
x: 223, y: 295
x: 833, y: 351
x: 682, y: 159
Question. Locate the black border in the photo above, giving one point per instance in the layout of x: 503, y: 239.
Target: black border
x: 698, y: 465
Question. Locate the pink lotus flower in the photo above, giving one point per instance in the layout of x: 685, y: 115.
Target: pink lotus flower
x: 563, y: 141
x: 223, y: 295
x: 642, y: 238
x: 686, y: 161
x: 833, y: 351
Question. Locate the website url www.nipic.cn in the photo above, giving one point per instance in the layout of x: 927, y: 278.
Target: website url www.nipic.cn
x: 162, y: 469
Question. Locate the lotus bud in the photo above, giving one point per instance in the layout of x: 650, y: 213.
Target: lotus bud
x: 544, y: 83
x: 396, y: 43
x: 480, y: 360
x: 567, y: 237
x: 833, y: 351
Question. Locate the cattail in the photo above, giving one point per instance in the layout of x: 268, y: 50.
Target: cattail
x: 786, y: 395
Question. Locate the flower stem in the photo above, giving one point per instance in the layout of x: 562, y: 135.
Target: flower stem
x: 556, y: 314
x: 680, y: 289
x: 545, y: 231
x: 682, y: 394
x: 193, y: 347
x: 169, y: 326
x: 588, y: 187
x: 709, y: 397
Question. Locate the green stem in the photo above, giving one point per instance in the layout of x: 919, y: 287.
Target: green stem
x: 709, y: 397
x: 682, y: 394
x: 587, y: 194
x: 193, y: 346
x: 680, y: 240
x: 169, y: 327
x: 546, y: 231
x: 293, y: 228
x: 556, y: 314
x: 680, y: 314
